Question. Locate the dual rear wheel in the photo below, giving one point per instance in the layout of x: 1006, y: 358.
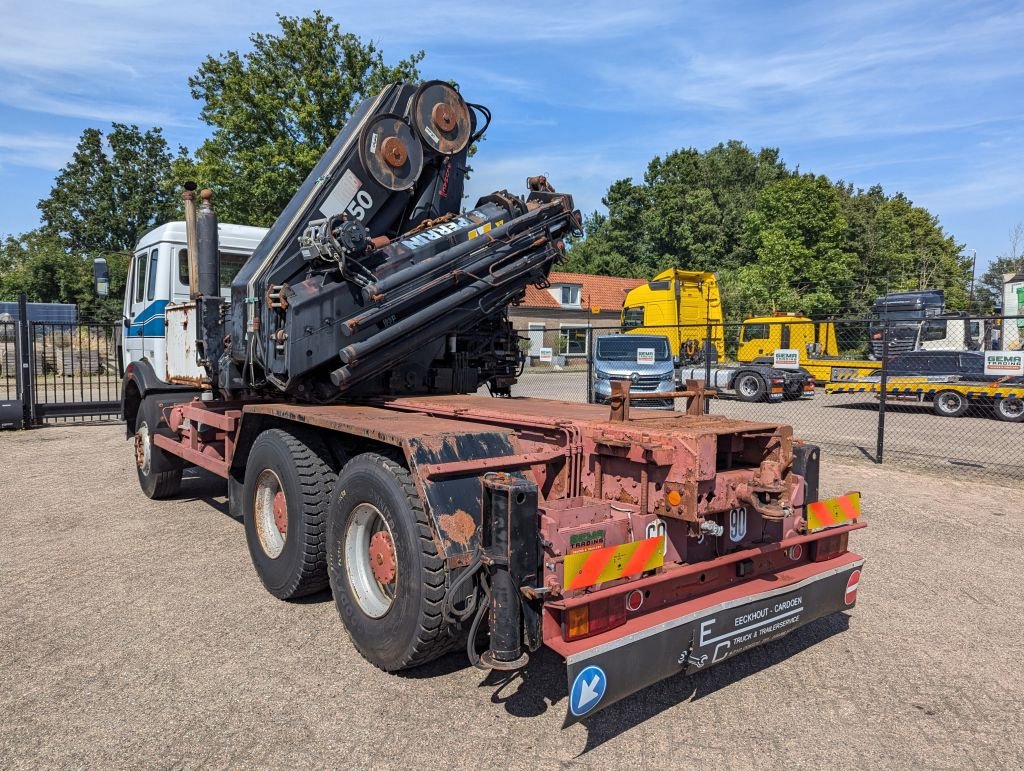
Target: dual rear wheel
x: 362, y: 531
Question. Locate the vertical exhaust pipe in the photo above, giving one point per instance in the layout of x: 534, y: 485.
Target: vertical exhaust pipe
x: 207, y: 247
x: 209, y: 305
x: 189, y: 199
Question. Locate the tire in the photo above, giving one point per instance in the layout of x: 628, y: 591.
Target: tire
x: 288, y: 481
x: 159, y: 472
x: 1009, y: 408
x: 750, y: 387
x: 398, y: 623
x: 950, y: 404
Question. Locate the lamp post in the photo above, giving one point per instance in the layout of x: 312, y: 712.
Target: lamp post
x: 974, y: 260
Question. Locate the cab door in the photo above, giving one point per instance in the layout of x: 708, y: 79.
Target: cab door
x: 135, y: 307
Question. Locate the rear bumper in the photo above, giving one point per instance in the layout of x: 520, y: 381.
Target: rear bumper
x: 706, y: 631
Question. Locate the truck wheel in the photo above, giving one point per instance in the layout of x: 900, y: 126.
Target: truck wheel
x: 159, y: 471
x: 1009, y: 408
x: 387, y: 577
x: 750, y: 387
x: 286, y: 491
x: 950, y: 404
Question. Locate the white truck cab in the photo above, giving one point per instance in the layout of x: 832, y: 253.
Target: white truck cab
x: 159, y: 277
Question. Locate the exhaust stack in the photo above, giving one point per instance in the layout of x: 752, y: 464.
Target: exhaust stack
x: 189, y: 200
x: 210, y: 324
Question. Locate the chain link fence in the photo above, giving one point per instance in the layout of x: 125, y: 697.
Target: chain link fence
x: 946, y: 393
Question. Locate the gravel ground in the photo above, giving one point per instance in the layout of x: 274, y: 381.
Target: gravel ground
x: 135, y: 633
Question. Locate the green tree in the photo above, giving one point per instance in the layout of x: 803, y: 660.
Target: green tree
x: 38, y: 264
x: 797, y: 236
x: 988, y: 292
x: 688, y: 211
x: 779, y: 240
x: 113, y: 190
x: 275, y: 110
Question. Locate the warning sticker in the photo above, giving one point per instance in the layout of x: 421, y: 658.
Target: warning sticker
x: 342, y: 195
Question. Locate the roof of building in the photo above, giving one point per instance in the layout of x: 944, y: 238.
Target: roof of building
x: 596, y: 292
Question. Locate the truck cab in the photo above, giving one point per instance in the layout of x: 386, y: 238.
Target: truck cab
x: 763, y: 335
x: 679, y: 304
x: 159, y: 277
x: 917, y: 321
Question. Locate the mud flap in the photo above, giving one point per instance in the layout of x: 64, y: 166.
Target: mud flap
x: 607, y: 673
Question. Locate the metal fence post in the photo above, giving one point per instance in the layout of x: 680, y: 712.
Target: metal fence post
x: 590, y: 365
x: 25, y: 378
x: 883, y: 388
x: 708, y: 348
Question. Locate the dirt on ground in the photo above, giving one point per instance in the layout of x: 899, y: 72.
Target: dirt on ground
x: 135, y: 633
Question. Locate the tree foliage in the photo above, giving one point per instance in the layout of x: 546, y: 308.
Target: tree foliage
x: 989, y: 288
x: 779, y: 239
x: 275, y: 109
x: 113, y: 190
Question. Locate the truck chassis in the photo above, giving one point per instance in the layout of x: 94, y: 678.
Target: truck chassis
x: 636, y: 547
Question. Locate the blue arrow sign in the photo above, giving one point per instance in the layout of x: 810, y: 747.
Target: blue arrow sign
x: 587, y: 690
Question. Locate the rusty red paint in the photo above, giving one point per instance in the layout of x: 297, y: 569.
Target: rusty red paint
x: 459, y: 527
x: 382, y: 557
x: 281, y: 512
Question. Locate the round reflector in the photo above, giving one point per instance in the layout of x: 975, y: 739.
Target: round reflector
x: 634, y: 600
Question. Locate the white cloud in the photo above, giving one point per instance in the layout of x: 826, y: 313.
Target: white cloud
x: 42, y: 151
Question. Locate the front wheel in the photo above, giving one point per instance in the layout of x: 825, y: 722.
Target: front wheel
x: 387, y: 577
x: 750, y: 387
x: 1009, y: 408
x: 950, y: 404
x: 159, y: 472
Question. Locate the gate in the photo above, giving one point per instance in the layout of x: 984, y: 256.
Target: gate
x: 75, y: 371
x: 53, y: 372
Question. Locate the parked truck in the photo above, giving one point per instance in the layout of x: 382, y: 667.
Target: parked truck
x: 918, y: 321
x: 814, y: 341
x: 334, y: 391
x: 686, y: 307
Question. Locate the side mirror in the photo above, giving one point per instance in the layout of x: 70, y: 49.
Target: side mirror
x: 101, y: 275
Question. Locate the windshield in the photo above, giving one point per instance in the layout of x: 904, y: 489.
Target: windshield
x: 625, y: 348
x: 633, y: 317
x: 898, y: 315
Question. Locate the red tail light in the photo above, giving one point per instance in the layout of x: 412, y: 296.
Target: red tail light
x: 593, y: 618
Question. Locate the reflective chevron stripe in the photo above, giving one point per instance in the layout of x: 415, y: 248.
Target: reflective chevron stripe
x: 587, y: 568
x: 833, y: 512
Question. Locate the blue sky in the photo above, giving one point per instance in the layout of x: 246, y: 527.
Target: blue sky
x: 923, y: 97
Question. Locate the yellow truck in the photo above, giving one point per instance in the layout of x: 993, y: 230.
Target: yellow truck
x: 814, y: 341
x: 678, y: 304
x: 685, y: 307
x: 681, y: 304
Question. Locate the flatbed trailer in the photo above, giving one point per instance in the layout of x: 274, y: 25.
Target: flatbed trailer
x: 829, y: 370
x: 635, y: 546
x: 949, y: 395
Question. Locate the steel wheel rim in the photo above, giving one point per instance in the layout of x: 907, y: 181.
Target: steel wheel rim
x: 372, y: 596
x: 269, y: 492
x: 748, y: 386
x: 950, y: 402
x: 1012, y: 408
x: 143, y: 452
